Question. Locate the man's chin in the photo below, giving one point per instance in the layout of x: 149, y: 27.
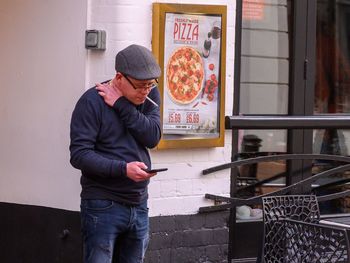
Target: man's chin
x: 142, y: 100
x: 139, y: 101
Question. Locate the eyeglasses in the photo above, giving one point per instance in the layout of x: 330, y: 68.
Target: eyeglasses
x: 142, y: 87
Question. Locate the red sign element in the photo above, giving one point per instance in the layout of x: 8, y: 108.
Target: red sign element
x: 192, y: 117
x: 253, y: 9
x: 174, y: 117
x: 186, y: 31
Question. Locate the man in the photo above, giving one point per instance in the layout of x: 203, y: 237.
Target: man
x: 112, y: 127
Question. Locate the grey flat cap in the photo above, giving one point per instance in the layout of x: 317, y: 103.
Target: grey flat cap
x: 137, y: 62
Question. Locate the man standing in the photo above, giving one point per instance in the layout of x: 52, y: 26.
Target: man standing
x: 112, y: 127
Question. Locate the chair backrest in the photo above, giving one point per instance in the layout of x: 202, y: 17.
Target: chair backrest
x: 275, y: 210
x: 308, y: 242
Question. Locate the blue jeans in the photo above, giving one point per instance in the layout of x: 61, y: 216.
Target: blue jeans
x: 114, y: 232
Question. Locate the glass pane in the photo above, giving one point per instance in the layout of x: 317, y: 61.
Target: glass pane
x: 335, y: 142
x: 332, y: 96
x: 265, y: 57
x: 255, y: 143
x: 265, y: 64
x: 264, y: 88
x: 332, y: 90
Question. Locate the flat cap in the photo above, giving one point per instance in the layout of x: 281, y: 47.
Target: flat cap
x: 137, y: 62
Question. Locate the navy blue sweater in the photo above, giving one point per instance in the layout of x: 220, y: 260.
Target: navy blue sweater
x: 104, y: 139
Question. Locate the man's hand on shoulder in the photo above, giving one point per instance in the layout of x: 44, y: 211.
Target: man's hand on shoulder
x: 134, y: 172
x: 109, y: 93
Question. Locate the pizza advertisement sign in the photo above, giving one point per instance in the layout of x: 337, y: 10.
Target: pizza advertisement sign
x: 191, y: 70
x: 192, y: 74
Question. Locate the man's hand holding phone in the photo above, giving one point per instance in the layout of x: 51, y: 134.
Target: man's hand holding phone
x: 138, y: 172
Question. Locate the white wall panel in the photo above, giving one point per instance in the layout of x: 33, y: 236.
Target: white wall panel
x: 42, y: 74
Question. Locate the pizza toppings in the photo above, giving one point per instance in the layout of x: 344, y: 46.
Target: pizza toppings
x: 185, y: 75
x: 210, y: 87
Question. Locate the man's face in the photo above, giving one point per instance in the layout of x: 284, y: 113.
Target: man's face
x: 135, y: 90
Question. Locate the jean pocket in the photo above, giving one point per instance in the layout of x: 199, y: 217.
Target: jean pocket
x: 97, y: 205
x: 143, y: 207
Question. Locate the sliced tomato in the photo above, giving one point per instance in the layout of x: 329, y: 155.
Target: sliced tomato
x: 188, y: 55
x: 198, y: 74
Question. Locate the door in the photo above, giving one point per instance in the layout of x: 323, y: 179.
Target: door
x: 265, y: 85
x: 332, y: 94
x: 294, y: 61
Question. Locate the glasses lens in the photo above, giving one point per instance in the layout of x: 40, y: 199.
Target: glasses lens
x: 147, y: 87
x: 142, y: 87
x: 153, y: 85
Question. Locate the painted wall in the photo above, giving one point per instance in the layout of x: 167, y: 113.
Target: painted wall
x: 42, y: 74
x: 44, y: 69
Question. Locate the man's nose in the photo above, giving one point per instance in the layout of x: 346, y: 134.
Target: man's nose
x: 145, y: 91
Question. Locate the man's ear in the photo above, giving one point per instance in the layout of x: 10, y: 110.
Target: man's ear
x: 118, y: 76
x: 118, y: 79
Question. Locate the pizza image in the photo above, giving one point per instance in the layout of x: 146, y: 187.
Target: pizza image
x: 184, y: 74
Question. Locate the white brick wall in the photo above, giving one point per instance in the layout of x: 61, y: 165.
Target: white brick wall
x: 181, y: 189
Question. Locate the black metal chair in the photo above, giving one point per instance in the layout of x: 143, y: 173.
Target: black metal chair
x: 308, y: 242
x: 275, y: 210
x: 292, y: 232
x: 306, y: 210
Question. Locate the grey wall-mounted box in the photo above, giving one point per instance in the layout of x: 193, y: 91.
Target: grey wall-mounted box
x: 95, y: 39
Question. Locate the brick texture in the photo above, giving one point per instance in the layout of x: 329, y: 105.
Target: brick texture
x: 189, y: 239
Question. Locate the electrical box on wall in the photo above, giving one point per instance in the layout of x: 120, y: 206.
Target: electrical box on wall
x: 95, y: 39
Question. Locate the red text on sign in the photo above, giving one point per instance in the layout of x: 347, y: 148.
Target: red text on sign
x: 174, y: 117
x: 192, y: 117
x: 186, y: 31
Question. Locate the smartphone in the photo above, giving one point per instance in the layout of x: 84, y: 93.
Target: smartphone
x: 155, y: 170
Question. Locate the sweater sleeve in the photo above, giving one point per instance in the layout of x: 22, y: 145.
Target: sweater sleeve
x: 143, y: 125
x: 84, y: 129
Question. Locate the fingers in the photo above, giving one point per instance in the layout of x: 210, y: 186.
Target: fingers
x: 141, y: 165
x: 146, y: 177
x: 140, y: 178
x: 141, y: 175
x: 105, y: 91
x: 151, y: 175
x: 98, y: 85
x: 135, y: 172
x: 101, y: 87
x: 101, y: 93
